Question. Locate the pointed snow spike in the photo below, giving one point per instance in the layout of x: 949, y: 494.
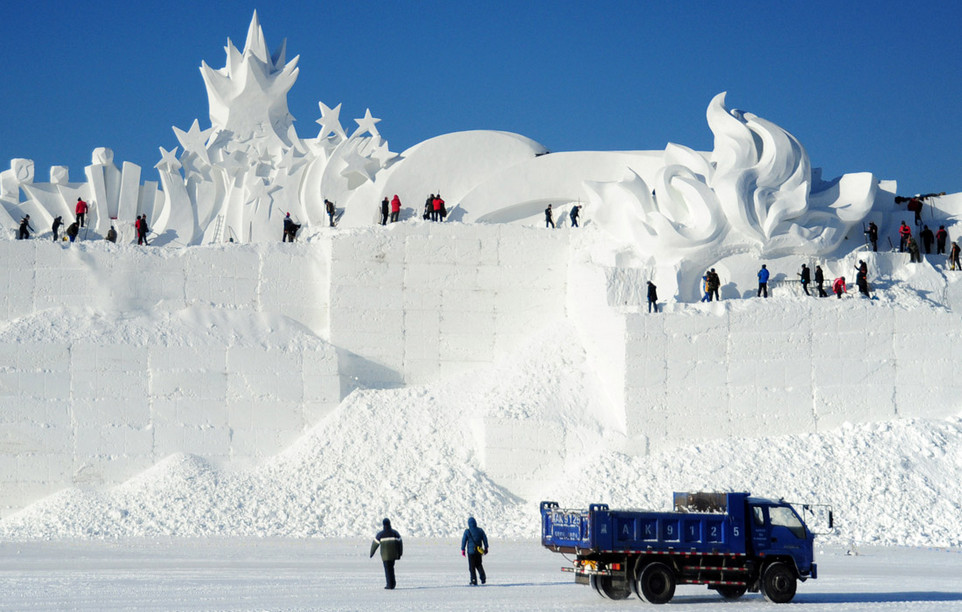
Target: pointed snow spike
x: 256, y: 45
x: 279, y: 57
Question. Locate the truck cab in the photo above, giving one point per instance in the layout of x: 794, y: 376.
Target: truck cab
x: 777, y: 532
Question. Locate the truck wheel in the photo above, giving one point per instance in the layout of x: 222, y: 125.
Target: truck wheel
x: 608, y: 589
x: 655, y: 583
x: 778, y: 583
x: 731, y: 591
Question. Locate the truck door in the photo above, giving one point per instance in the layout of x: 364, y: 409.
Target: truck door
x: 761, y: 529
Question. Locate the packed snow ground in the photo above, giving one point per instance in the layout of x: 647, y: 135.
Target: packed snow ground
x: 336, y: 574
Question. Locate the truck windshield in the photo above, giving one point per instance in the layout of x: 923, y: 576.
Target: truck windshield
x: 782, y: 516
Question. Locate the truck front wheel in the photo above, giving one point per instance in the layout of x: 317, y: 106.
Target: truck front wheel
x: 778, y: 583
x: 655, y: 583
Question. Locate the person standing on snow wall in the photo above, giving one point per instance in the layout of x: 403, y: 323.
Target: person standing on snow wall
x: 475, y: 541
x: 575, y: 211
x: 81, y: 211
x: 548, y: 219
x: 839, y: 286
x: 714, y: 284
x: 391, y: 550
x: 385, y: 210
x: 806, y: 275
x: 763, y: 281
x: 395, y: 208
x: 652, y: 297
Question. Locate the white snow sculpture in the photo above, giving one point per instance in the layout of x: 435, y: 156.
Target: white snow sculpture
x: 236, y: 180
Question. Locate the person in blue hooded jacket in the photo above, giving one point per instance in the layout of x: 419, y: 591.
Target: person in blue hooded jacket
x: 475, y: 542
x: 763, y: 281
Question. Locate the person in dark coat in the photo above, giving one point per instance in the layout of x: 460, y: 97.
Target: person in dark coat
x: 819, y: 280
x: 475, y: 542
x: 954, y: 256
x: 57, y: 222
x: 429, y: 208
x: 575, y: 211
x: 763, y: 281
x: 872, y: 232
x: 111, y: 234
x: 927, y: 239
x: 385, y: 210
x: 72, y: 230
x: 915, y: 254
x: 806, y: 275
x: 548, y: 219
x: 391, y: 550
x: 652, y: 297
x: 940, y: 236
x: 25, y: 228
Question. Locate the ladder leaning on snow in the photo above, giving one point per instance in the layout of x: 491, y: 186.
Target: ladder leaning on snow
x: 218, y: 234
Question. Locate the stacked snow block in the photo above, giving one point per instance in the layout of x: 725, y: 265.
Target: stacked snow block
x: 416, y: 302
x: 696, y: 376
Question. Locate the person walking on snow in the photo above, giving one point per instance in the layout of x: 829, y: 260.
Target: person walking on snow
x: 819, y: 280
x: 475, y: 542
x: 81, y: 211
x: 57, y: 222
x: 763, y: 281
x: 652, y: 297
x: 905, y: 232
x: 806, y: 275
x: 839, y: 286
x: 940, y: 237
x: 391, y: 550
x: 548, y: 220
x: 575, y: 211
x: 395, y: 208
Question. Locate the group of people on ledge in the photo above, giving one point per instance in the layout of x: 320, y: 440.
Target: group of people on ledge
x: 80, y: 221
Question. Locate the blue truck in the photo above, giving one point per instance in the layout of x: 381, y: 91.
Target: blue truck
x: 732, y: 542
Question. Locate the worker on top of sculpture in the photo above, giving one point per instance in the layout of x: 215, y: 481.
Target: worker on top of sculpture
x: 940, y: 237
x: 330, y: 209
x: 905, y: 232
x: 25, y: 228
x: 81, y: 211
x: 395, y: 208
x: 290, y: 229
x: 385, y: 210
x: 548, y: 219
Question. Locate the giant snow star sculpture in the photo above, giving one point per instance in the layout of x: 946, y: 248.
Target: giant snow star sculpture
x: 236, y: 180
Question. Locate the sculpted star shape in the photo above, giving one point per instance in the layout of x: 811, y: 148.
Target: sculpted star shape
x: 195, y: 140
x: 383, y: 154
x: 357, y: 164
x: 168, y: 161
x: 366, y: 124
x: 330, y: 122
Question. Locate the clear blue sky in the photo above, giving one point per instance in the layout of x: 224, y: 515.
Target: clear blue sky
x: 865, y: 86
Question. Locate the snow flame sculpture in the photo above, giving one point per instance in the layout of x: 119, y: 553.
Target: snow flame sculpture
x: 755, y: 192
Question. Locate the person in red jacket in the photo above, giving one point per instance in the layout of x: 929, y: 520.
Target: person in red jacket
x: 839, y: 286
x: 940, y: 238
x: 395, y: 208
x: 81, y: 211
x: 439, y: 212
x: 904, y: 233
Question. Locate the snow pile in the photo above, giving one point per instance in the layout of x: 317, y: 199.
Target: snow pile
x: 411, y: 454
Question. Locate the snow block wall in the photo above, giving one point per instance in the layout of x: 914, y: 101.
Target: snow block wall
x: 420, y: 301
x: 772, y: 370
x: 159, y: 352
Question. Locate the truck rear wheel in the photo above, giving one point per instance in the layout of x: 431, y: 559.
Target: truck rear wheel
x: 608, y: 589
x: 655, y: 583
x: 778, y: 583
